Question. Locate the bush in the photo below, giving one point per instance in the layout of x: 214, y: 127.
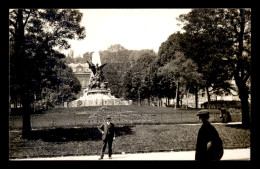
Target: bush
x: 222, y: 103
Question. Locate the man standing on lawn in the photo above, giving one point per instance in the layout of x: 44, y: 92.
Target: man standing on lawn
x: 108, y: 135
x: 209, y: 144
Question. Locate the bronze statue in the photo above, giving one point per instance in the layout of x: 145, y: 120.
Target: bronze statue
x: 95, y: 68
x: 98, y: 78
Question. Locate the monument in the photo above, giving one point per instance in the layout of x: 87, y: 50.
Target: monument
x: 97, y: 93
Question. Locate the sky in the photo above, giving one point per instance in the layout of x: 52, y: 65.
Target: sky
x: 134, y: 29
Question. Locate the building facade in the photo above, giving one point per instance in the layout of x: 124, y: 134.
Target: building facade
x: 189, y: 99
x: 82, y: 72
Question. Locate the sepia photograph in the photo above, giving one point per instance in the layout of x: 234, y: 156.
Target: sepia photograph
x: 129, y: 84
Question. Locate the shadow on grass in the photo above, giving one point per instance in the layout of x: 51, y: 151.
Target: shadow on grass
x: 74, y: 134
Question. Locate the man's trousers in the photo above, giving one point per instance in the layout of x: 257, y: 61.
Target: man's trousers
x: 104, y: 145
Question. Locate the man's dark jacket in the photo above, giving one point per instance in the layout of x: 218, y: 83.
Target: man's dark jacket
x: 208, y: 133
x: 109, y: 131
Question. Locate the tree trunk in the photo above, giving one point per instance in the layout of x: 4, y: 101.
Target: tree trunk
x: 243, y: 95
x: 187, y: 102
x: 176, y: 96
x: 245, y: 112
x: 139, y: 98
x: 26, y: 120
x: 208, y: 95
x: 196, y: 100
x: 25, y: 96
x: 240, y: 75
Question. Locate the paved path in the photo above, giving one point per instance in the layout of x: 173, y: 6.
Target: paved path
x: 229, y: 154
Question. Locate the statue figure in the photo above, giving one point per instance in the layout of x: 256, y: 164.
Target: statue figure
x: 98, y: 75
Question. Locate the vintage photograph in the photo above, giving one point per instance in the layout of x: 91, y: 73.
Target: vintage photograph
x: 129, y: 84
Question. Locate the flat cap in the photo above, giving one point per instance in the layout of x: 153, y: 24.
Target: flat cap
x: 203, y: 113
x: 108, y: 117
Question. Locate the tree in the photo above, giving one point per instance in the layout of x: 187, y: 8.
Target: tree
x: 204, y: 47
x: 36, y: 35
x: 174, y: 65
x: 64, y: 86
x: 87, y: 56
x: 221, y: 37
x: 239, y: 25
x: 140, y: 79
x: 147, y: 74
x: 136, y: 54
x: 169, y: 49
x: 117, y: 59
x: 180, y: 71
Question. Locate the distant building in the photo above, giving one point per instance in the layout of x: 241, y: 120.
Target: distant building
x: 82, y: 72
x: 202, y: 97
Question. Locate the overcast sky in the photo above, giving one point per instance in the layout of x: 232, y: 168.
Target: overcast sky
x: 135, y: 29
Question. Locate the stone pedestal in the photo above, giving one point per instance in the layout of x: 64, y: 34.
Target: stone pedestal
x: 97, y: 97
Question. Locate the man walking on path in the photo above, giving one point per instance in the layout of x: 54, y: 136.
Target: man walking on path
x: 209, y: 144
x: 108, y: 135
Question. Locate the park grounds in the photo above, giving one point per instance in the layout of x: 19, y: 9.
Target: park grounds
x: 139, y: 129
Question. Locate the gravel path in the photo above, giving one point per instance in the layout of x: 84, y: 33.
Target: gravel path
x: 229, y: 154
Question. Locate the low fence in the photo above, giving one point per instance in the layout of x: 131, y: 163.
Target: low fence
x: 97, y: 102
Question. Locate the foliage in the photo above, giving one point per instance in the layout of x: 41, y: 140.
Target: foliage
x: 207, y: 47
x: 70, y: 58
x: 170, y: 49
x: 223, y: 103
x: 140, y: 81
x: 36, y: 36
x: 45, y: 30
x: 117, y: 59
x: 219, y: 41
x: 180, y: 72
x: 119, y: 69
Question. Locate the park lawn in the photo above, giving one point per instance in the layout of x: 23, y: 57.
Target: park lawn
x: 73, y: 131
x: 129, y: 139
x: 130, y: 115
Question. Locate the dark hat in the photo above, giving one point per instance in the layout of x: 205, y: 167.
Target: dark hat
x: 108, y: 117
x: 203, y: 113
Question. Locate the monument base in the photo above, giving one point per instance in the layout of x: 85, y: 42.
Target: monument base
x: 97, y: 97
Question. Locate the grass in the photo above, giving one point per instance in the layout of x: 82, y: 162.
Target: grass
x: 121, y: 115
x: 161, y: 131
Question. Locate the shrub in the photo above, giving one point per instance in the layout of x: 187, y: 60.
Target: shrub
x: 222, y: 103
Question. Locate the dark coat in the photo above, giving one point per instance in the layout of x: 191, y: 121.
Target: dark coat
x: 109, y: 131
x: 208, y: 133
x: 225, y: 116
